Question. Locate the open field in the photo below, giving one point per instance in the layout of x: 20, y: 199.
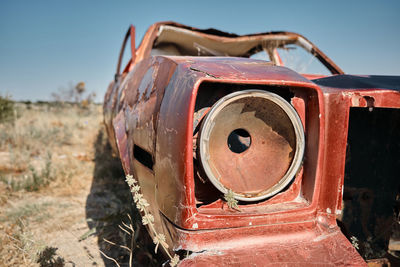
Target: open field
x: 62, y: 193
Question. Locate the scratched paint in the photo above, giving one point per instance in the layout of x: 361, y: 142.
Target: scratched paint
x: 152, y: 105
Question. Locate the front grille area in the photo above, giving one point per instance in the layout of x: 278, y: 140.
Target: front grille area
x: 371, y: 184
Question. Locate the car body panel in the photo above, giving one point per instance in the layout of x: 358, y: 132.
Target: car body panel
x: 149, y: 109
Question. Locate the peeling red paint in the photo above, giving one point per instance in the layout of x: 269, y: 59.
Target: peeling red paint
x: 152, y: 106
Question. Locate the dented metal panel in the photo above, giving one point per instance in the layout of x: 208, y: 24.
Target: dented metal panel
x: 153, y: 112
x: 175, y: 137
x: 327, y: 249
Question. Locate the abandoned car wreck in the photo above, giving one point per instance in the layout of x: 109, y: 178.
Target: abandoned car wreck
x: 245, y: 159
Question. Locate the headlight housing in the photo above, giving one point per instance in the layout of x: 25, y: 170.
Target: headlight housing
x: 251, y: 142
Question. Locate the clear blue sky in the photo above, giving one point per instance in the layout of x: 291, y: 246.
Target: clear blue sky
x: 45, y: 45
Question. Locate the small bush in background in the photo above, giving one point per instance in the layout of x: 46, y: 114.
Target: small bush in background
x: 32, y: 181
x: 74, y: 94
x: 6, y: 109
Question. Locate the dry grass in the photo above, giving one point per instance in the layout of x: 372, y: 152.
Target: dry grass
x: 62, y: 194
x: 43, y: 143
x: 46, y: 164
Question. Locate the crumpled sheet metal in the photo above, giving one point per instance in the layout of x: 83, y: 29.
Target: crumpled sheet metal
x: 172, y: 178
x: 340, y: 94
x: 152, y: 33
x: 158, y: 117
x: 327, y: 249
x: 137, y: 105
x: 174, y: 156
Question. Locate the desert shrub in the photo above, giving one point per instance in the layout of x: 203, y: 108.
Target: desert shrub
x: 38, y: 180
x: 74, y: 94
x: 19, y: 247
x: 32, y: 181
x: 6, y: 109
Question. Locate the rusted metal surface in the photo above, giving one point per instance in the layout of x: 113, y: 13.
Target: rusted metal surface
x: 153, y: 112
x: 370, y: 182
x: 252, y: 143
x: 145, y: 47
x: 283, y: 249
x: 179, y: 101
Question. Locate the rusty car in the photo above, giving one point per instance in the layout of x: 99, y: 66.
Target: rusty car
x: 247, y: 160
